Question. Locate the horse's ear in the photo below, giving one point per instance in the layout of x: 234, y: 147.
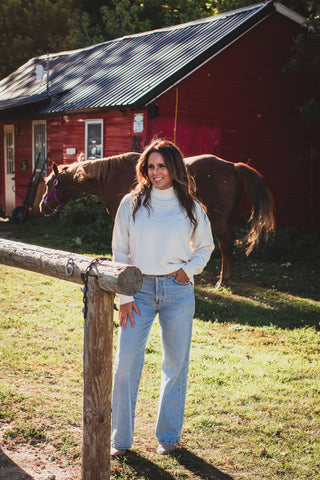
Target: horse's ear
x: 55, y: 168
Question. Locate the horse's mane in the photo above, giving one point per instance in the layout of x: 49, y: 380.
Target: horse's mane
x: 100, y: 168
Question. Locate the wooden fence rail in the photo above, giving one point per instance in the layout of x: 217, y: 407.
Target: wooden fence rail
x: 104, y: 278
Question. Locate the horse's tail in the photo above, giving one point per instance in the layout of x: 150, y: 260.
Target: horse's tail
x: 262, y: 218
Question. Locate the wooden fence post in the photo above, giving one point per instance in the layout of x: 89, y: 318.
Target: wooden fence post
x: 97, y: 383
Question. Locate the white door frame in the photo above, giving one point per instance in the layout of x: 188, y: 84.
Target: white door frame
x: 9, y: 169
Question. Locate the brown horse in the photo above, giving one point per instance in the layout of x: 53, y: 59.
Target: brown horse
x: 219, y: 186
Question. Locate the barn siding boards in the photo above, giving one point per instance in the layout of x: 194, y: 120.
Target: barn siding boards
x: 68, y: 131
x: 55, y: 140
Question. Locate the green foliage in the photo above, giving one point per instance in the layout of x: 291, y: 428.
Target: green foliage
x: 306, y: 59
x: 122, y: 18
x: 83, y: 224
x: 125, y: 17
x: 30, y: 28
x: 306, y: 8
x: 110, y: 19
x: 310, y: 110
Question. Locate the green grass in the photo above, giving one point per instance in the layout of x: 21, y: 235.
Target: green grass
x: 253, y: 402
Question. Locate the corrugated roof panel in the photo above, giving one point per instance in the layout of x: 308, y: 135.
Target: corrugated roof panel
x: 130, y: 70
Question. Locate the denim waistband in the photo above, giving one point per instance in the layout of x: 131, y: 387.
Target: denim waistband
x: 159, y: 275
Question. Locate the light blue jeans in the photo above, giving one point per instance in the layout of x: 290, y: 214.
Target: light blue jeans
x: 174, y: 302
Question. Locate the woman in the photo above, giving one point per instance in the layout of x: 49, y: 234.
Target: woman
x: 164, y: 231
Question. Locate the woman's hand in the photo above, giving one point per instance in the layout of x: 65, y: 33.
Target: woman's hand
x: 125, y: 311
x: 181, y: 276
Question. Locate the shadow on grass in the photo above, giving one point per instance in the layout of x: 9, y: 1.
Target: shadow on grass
x: 254, y: 309
x: 196, y: 465
x: 145, y: 468
x: 9, y: 469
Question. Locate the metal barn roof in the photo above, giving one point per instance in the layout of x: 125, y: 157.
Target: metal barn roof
x: 129, y: 71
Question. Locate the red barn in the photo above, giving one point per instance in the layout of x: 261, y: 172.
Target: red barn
x: 216, y: 85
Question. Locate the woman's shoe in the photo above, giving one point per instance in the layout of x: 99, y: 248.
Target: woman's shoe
x: 165, y: 448
x: 117, y: 452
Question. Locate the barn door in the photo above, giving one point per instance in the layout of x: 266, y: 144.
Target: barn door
x: 40, y: 149
x: 9, y: 159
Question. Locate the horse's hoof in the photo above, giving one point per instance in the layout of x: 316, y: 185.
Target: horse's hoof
x: 221, y: 284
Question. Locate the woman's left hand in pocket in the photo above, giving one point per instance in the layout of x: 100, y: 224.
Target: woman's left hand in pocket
x: 181, y: 276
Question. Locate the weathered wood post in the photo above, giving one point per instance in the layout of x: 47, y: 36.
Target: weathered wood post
x: 104, y: 279
x: 97, y: 383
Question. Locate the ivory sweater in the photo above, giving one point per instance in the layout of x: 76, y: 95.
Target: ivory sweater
x: 162, y: 240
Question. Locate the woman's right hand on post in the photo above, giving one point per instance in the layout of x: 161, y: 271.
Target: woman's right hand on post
x: 125, y: 311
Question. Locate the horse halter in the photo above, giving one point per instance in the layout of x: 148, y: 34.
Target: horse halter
x: 54, y: 193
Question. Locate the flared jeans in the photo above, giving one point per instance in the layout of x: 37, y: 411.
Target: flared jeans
x: 174, y: 302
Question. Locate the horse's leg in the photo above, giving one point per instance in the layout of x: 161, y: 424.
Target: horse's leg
x: 222, y: 231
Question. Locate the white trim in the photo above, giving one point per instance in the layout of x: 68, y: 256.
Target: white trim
x: 283, y: 10
x: 9, y: 177
x: 90, y: 122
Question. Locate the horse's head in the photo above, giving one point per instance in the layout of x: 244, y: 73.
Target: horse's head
x: 56, y: 194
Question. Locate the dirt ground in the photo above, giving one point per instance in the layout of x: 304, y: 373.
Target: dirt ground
x: 22, y: 461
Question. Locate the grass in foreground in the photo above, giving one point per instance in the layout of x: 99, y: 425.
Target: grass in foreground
x: 253, y: 399
x: 254, y: 382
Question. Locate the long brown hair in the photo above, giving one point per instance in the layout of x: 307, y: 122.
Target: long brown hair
x: 182, y: 182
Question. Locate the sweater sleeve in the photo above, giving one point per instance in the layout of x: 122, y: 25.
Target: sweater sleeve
x: 121, y: 238
x: 201, y: 243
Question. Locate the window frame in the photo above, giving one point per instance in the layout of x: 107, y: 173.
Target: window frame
x: 43, y: 167
x: 98, y: 121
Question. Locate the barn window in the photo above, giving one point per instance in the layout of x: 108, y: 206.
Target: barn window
x: 94, y: 139
x: 39, y: 143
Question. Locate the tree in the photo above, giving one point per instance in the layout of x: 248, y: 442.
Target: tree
x: 306, y: 55
x: 306, y: 58
x: 306, y: 8
x: 34, y: 27
x: 124, y: 17
x: 108, y: 19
